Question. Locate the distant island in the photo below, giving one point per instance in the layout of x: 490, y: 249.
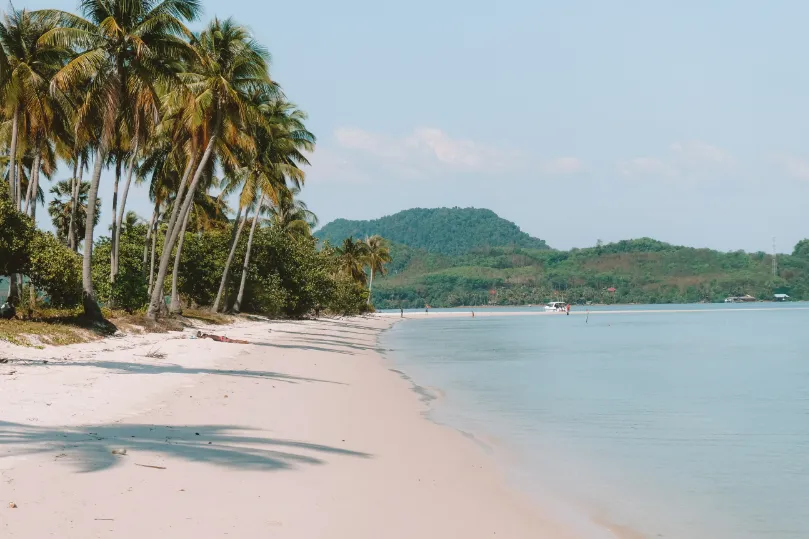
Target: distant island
x: 449, y: 257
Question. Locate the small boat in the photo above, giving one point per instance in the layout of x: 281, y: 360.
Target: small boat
x: 556, y: 307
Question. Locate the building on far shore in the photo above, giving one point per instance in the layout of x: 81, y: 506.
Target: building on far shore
x: 781, y: 297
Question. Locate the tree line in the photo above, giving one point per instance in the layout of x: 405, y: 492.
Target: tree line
x: 197, y: 117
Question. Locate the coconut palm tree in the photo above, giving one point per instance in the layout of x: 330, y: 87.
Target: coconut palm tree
x: 351, y: 256
x: 291, y: 215
x: 280, y: 138
x: 60, y: 209
x: 377, y: 255
x: 26, y: 68
x: 229, y: 66
x: 123, y: 49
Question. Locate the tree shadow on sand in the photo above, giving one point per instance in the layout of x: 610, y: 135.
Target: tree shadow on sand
x: 127, y: 367
x: 89, y: 449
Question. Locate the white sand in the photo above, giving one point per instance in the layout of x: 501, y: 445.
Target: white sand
x: 305, y: 434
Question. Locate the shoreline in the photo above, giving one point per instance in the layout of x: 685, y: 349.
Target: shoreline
x: 305, y: 432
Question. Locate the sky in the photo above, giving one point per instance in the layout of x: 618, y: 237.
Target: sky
x: 686, y: 121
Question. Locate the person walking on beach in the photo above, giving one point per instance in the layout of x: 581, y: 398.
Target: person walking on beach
x: 402, y: 311
x: 567, y: 307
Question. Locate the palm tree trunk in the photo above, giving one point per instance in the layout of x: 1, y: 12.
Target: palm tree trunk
x: 71, y: 241
x: 28, y: 193
x: 12, y: 156
x: 34, y: 183
x: 174, y: 307
x: 149, y: 236
x: 370, y: 285
x: 151, y: 264
x: 20, y: 174
x: 114, y: 234
x: 173, y: 232
x: 237, y: 231
x: 238, y: 305
x: 129, y: 172
x: 91, y: 307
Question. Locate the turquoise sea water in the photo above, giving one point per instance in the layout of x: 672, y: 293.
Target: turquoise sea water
x: 677, y: 425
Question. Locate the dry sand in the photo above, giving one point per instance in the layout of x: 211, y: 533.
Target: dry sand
x: 305, y: 433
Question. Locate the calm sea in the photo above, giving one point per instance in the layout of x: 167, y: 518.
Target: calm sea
x: 683, y: 425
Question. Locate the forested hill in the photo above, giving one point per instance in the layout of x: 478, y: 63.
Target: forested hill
x: 447, y: 231
x: 632, y: 271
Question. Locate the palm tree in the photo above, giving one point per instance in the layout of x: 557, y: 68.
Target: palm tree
x: 291, y: 215
x: 60, y: 209
x: 279, y: 140
x: 123, y: 49
x: 351, y: 256
x: 229, y: 66
x: 26, y: 68
x: 377, y: 255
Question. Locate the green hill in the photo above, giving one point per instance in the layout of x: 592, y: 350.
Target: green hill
x: 439, y: 261
x: 640, y: 271
x: 448, y: 231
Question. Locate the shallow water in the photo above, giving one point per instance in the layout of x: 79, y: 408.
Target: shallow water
x: 678, y: 425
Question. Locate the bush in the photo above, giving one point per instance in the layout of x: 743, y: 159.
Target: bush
x: 129, y: 292
x: 55, y: 269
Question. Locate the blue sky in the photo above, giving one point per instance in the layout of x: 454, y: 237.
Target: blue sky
x: 686, y: 120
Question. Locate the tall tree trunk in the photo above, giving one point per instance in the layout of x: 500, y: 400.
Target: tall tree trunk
x: 234, y: 240
x: 129, y: 172
x: 34, y: 182
x: 91, y: 307
x: 174, y: 307
x: 114, y: 234
x: 28, y: 192
x: 238, y: 305
x: 20, y: 174
x: 71, y: 240
x: 12, y: 156
x: 370, y: 285
x: 149, y: 236
x: 151, y: 264
x: 173, y: 232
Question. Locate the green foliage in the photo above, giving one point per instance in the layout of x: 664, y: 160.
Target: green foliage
x: 348, y: 297
x: 449, y: 231
x: 55, y: 270
x: 201, y: 264
x: 801, y: 249
x: 16, y: 233
x: 641, y: 271
x: 130, y: 287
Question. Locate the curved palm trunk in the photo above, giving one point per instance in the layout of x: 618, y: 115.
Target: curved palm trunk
x: 238, y: 305
x: 173, y: 231
x: 12, y: 156
x: 130, y: 170
x: 71, y: 240
x: 151, y: 264
x: 114, y: 232
x: 149, y: 236
x: 34, y: 183
x: 174, y: 307
x: 237, y: 231
x: 370, y: 285
x: 28, y: 194
x: 91, y: 307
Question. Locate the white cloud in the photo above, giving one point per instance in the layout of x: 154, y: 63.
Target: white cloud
x: 794, y: 166
x: 684, y: 158
x: 563, y: 165
x: 695, y: 152
x: 424, y: 145
x: 646, y: 166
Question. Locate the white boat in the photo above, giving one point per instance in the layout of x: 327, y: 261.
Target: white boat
x: 556, y: 307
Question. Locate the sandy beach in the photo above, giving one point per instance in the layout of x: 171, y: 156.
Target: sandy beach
x: 304, y: 433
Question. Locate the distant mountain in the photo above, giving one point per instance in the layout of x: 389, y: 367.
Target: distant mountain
x: 446, y: 231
